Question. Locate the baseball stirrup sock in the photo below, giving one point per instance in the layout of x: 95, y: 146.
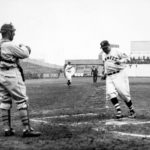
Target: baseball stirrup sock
x: 24, y: 117
x: 6, y: 118
x: 118, y: 109
x: 116, y: 104
x: 130, y: 105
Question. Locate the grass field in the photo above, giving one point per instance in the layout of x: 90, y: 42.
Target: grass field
x: 76, y: 118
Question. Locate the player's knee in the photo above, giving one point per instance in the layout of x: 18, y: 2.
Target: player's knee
x: 5, y: 106
x: 111, y: 96
x: 23, y: 105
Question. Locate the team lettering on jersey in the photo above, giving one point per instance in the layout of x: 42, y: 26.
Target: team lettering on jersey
x: 111, y: 58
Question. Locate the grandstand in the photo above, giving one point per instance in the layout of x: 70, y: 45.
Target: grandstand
x: 139, y: 63
x: 38, y: 69
x: 140, y: 52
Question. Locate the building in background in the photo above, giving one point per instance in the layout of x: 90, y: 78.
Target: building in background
x: 140, y: 49
x: 83, y: 67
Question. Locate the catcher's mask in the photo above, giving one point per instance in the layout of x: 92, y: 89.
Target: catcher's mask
x: 7, y: 28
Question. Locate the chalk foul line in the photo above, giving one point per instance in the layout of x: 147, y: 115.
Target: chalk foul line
x: 131, y: 134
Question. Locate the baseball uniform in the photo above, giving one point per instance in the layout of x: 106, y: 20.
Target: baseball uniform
x: 11, y: 83
x: 69, y: 72
x: 12, y: 86
x: 117, y: 83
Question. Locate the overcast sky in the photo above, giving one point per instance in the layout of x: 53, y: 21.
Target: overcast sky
x: 72, y: 29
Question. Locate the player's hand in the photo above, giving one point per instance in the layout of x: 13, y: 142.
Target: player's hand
x: 29, y: 49
x: 103, y: 77
x: 117, y: 62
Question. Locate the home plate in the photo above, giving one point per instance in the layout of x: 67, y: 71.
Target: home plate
x: 125, y: 121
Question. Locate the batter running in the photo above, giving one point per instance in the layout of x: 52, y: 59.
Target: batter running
x: 117, y: 83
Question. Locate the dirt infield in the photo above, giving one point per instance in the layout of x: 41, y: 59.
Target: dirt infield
x: 76, y: 118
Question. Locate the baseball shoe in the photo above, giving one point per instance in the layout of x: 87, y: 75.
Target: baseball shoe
x: 10, y: 132
x: 69, y: 83
x: 132, y: 114
x: 119, y: 116
x: 31, y: 133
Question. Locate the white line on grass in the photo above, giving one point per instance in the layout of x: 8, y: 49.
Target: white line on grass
x: 39, y: 121
x: 131, y: 134
x: 70, y: 124
x: 66, y: 116
x: 125, y: 122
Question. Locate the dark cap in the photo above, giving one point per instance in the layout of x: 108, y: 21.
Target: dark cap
x: 7, y: 27
x: 104, y: 43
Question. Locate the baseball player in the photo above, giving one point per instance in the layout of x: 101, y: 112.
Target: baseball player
x: 117, y: 83
x: 69, y: 71
x: 12, y: 86
x: 94, y: 73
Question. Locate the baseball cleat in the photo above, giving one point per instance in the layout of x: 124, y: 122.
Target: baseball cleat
x: 10, y: 132
x: 31, y: 133
x: 132, y: 114
x: 119, y: 116
x: 68, y: 83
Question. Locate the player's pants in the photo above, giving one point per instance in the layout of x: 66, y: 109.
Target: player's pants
x: 117, y: 85
x: 69, y: 76
x: 94, y: 78
x: 12, y: 87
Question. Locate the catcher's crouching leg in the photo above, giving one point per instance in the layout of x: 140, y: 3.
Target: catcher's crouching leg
x: 6, y: 118
x: 24, y: 115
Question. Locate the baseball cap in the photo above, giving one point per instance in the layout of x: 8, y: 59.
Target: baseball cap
x: 7, y: 27
x: 104, y: 43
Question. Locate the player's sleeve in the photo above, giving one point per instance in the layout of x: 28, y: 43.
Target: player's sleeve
x: 20, y: 52
x: 124, y: 58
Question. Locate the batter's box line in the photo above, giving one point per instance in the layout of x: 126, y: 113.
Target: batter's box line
x: 67, y: 116
x: 125, y: 121
x: 82, y: 114
x: 130, y: 134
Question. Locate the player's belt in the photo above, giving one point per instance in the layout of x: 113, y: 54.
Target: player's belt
x: 113, y: 73
x: 6, y: 68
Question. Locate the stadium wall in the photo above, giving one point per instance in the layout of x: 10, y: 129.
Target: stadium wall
x: 138, y: 70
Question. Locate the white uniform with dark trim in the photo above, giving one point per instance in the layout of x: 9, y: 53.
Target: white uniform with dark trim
x: 69, y: 72
x: 11, y: 83
x: 117, y: 83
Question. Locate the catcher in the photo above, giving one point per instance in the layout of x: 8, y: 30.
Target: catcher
x: 12, y: 86
x: 117, y: 83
